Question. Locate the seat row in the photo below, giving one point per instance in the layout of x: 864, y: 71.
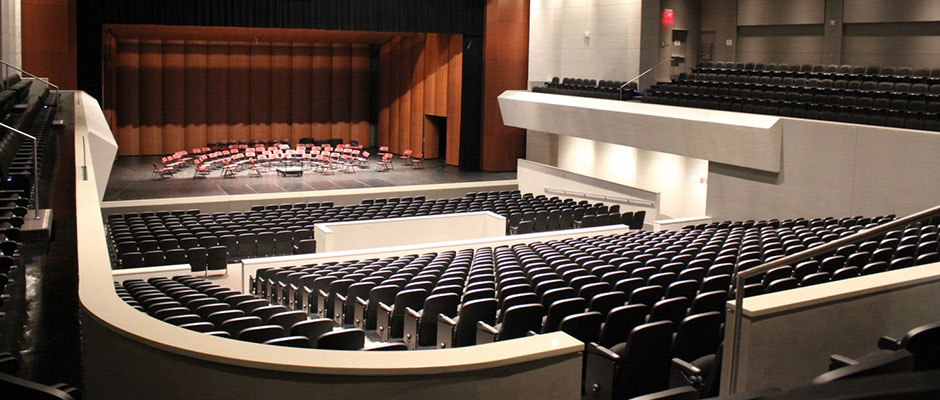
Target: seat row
x: 897, y: 74
x: 603, y: 89
x: 285, y: 228
x: 633, y: 295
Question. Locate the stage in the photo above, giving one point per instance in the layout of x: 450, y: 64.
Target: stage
x: 131, y: 180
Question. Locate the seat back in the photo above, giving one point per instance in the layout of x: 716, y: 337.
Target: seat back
x: 560, y: 309
x: 312, y: 329
x: 261, y: 334
x: 646, y: 359
x: 521, y: 319
x: 434, y: 305
x: 583, y: 326
x: 698, y: 335
x: 470, y: 313
x: 620, y: 321
x: 346, y: 339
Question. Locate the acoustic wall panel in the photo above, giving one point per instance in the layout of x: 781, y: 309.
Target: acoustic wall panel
x: 301, y: 99
x: 382, y: 125
x: 359, y: 90
x: 196, y: 84
x: 260, y: 91
x: 217, y: 93
x: 174, y: 89
x: 239, y: 90
x: 322, y: 91
x: 418, y: 78
x: 127, y: 102
x: 454, y: 93
x: 341, y: 101
x: 395, y: 84
x: 405, y: 66
x: 151, y: 97
x: 280, y: 93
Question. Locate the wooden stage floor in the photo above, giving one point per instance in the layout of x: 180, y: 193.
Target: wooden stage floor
x: 130, y: 180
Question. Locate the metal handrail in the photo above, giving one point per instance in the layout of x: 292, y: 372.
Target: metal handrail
x: 46, y: 80
x: 641, y: 75
x: 741, y: 276
x: 35, y: 167
x: 634, y: 202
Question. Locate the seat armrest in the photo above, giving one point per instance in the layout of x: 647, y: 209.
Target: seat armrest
x: 321, y: 302
x: 359, y: 312
x: 838, y: 361
x: 486, y: 333
x: 531, y: 333
x: 339, y: 305
x: 601, y: 370
x: 383, y: 321
x: 412, y: 319
x: 686, y: 368
x: 888, y: 343
x: 292, y: 302
x: 445, y: 331
x: 305, y: 296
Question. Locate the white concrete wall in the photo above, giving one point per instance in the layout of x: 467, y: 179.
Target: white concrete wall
x: 11, y: 45
x: 353, y: 235
x: 539, y: 178
x: 833, y: 169
x: 679, y: 181
x: 559, y: 47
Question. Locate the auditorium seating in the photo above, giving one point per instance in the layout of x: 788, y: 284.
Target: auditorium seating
x: 512, y: 291
x: 282, y: 229
x: 602, y: 89
x: 894, y: 97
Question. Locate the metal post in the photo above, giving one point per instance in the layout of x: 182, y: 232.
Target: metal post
x: 36, y: 175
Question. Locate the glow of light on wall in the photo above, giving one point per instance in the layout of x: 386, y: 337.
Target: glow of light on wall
x: 668, y: 16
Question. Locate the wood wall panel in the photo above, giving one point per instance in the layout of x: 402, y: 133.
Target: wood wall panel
x: 260, y: 91
x: 174, y: 99
x: 151, y: 97
x: 382, y: 125
x: 395, y: 90
x: 454, y: 92
x: 420, y: 76
x: 505, y: 66
x: 127, y: 63
x: 217, y: 99
x: 239, y: 64
x: 440, y: 75
x: 432, y: 42
x: 280, y: 92
x: 359, y: 90
x: 404, y: 107
x: 301, y: 106
x: 322, y: 91
x: 196, y: 71
x: 417, y: 94
x: 341, y: 99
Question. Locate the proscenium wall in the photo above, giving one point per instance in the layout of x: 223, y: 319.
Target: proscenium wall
x: 167, y: 95
x: 586, y: 39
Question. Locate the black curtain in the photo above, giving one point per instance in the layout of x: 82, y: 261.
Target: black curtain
x: 422, y: 16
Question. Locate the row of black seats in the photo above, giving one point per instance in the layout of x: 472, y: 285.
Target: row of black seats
x: 15, y: 387
x: 286, y: 228
x: 367, y: 293
x: 897, y: 74
x: 603, y: 89
x: 872, y: 111
x: 199, y: 305
x: 875, y: 96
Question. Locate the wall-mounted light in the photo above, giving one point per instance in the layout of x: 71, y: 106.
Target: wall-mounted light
x: 668, y: 16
